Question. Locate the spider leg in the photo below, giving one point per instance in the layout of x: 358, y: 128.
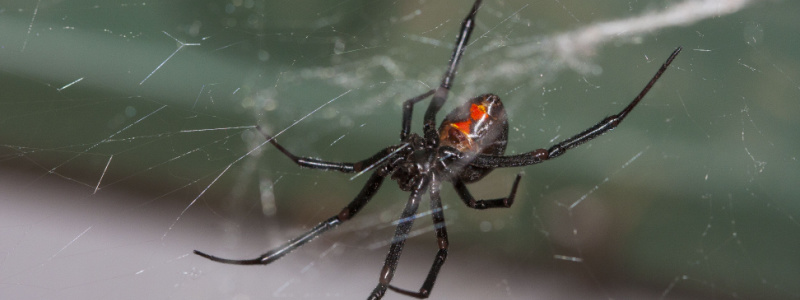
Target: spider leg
x: 408, y: 112
x: 441, y: 229
x: 440, y: 95
x: 369, y: 190
x: 399, y: 239
x: 441, y: 255
x: 470, y: 201
x: 313, y: 163
x: 607, y: 124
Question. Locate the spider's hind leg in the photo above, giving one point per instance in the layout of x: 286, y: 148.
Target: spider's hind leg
x: 441, y: 92
x: 408, y: 112
x: 605, y: 125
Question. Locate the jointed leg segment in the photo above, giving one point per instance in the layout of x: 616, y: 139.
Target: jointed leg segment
x: 314, y: 163
x: 412, y: 168
x: 441, y: 254
x: 369, y: 190
x: 607, y: 124
x: 470, y: 201
x: 399, y: 239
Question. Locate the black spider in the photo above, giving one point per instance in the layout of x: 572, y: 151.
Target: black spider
x: 469, y: 144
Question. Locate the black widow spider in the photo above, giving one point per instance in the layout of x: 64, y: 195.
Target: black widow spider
x: 468, y: 145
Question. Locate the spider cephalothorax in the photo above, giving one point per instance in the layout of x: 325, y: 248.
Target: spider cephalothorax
x: 412, y: 163
x: 469, y: 144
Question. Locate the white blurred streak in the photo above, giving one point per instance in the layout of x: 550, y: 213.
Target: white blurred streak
x: 572, y: 47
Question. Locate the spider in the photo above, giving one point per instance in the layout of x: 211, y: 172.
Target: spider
x: 468, y: 145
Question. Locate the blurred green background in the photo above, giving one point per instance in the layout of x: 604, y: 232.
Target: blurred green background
x: 694, y: 194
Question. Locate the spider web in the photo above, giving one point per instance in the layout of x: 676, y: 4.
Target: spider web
x: 129, y: 140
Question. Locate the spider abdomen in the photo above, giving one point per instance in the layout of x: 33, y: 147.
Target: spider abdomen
x: 479, y: 126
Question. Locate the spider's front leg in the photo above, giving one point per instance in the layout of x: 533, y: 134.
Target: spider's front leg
x: 441, y: 238
x: 399, y: 239
x: 314, y: 163
x: 369, y: 190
